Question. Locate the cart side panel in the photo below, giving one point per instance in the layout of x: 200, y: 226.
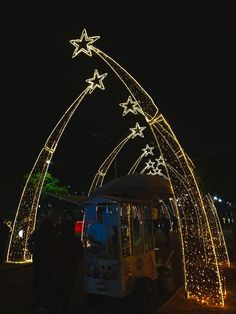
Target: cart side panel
x: 134, y: 267
x: 103, y: 277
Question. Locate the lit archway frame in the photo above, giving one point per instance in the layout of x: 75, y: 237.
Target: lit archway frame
x: 148, y: 150
x: 25, y: 218
x: 202, y: 276
x: 217, y: 231
x: 99, y: 177
x: 100, y: 174
x: 203, y: 280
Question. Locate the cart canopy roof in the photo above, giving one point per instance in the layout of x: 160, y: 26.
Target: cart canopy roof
x: 139, y: 187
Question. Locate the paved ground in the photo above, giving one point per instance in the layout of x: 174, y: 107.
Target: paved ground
x: 179, y: 305
x: 15, y: 296
x: 15, y: 288
x: 15, y: 284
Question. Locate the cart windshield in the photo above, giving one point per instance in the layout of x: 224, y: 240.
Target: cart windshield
x: 101, y: 232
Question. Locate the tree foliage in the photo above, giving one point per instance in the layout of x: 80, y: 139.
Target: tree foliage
x: 51, y: 184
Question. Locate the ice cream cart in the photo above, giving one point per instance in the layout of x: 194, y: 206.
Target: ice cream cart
x: 119, y: 248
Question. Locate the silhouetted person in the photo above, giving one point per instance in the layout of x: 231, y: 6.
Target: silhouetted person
x: 4, y: 234
x: 36, y: 271
x: 67, y: 252
x: 41, y: 245
x: 166, y: 228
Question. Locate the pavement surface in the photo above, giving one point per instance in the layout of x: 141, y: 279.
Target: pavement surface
x: 178, y: 304
x: 15, y: 288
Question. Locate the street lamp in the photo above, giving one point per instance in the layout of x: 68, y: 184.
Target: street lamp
x: 109, y: 140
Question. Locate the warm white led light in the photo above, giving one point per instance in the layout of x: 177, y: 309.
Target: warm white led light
x: 148, y: 150
x: 96, y: 81
x: 137, y: 130
x: 28, y: 205
x: 160, y: 161
x: 129, y: 106
x: 199, y: 253
x: 150, y: 164
x: 201, y: 236
x: 83, y: 44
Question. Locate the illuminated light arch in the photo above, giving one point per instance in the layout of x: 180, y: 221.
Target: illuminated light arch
x: 212, y: 217
x: 148, y: 150
x: 150, y: 164
x: 26, y: 213
x: 218, y: 238
x: 165, y: 210
x: 203, y: 280
x: 153, y: 167
x: 99, y: 176
x: 173, y: 204
x: 217, y: 232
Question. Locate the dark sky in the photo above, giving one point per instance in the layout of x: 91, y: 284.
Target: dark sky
x: 189, y: 74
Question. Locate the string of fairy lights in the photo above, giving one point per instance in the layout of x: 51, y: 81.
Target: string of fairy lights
x: 25, y: 218
x: 148, y: 150
x: 202, y: 279
x: 99, y: 177
x: 203, y: 246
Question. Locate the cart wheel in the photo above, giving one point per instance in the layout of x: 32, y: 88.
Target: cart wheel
x: 146, y: 293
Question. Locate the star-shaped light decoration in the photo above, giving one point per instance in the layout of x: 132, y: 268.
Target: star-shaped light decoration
x: 151, y: 173
x: 148, y: 150
x: 150, y: 164
x: 96, y: 81
x: 83, y: 44
x: 137, y: 130
x: 129, y: 106
x: 158, y: 172
x: 160, y: 161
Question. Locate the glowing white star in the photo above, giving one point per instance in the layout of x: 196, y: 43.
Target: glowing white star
x: 160, y: 173
x: 151, y: 173
x: 129, y: 106
x: 83, y: 44
x: 96, y: 81
x: 137, y: 130
x: 150, y: 164
x: 160, y: 161
x: 148, y: 150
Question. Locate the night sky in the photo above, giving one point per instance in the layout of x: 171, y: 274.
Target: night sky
x: 189, y: 74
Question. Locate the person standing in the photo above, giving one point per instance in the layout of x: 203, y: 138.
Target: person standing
x: 41, y: 245
x: 100, y: 235
x: 4, y: 235
x: 68, y: 251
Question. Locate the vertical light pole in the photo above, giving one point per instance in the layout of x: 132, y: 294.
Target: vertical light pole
x: 109, y: 140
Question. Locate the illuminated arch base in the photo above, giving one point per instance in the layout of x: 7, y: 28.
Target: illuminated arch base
x: 203, y: 245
